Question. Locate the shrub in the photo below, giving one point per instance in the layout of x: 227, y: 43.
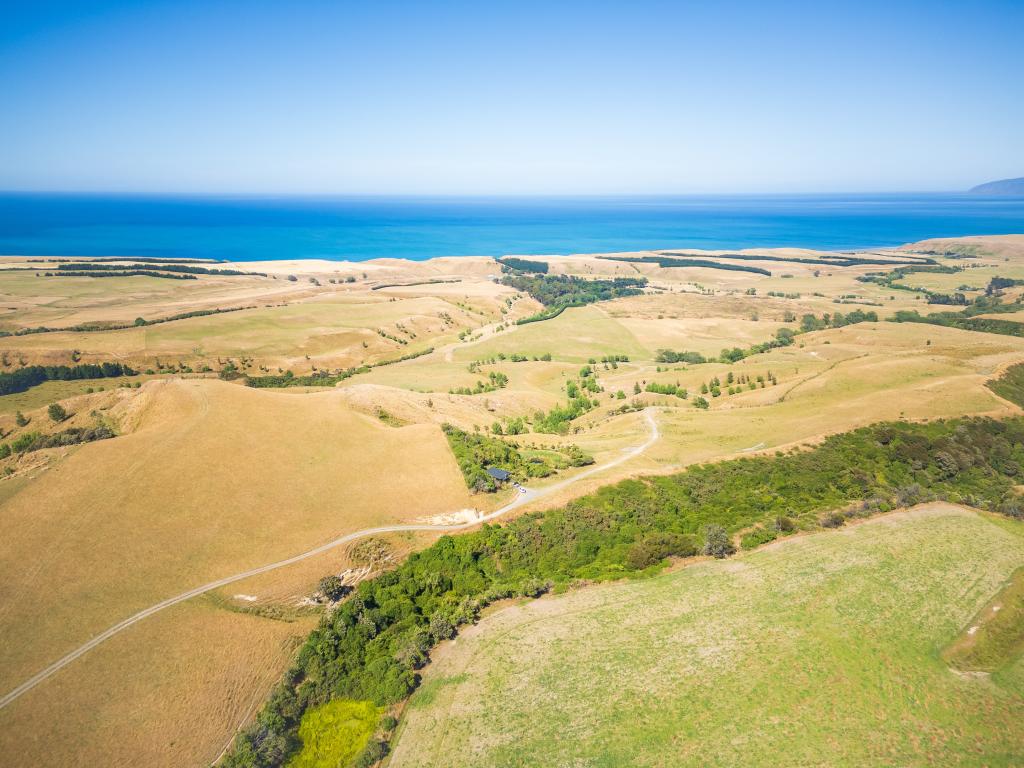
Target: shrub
x: 374, y: 751
x: 57, y: 413
x: 21, y: 443
x: 534, y: 588
x: 656, y: 547
x: 717, y: 542
x: 783, y: 524
x: 757, y: 537
x: 834, y: 520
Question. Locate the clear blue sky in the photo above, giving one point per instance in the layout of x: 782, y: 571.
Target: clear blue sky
x: 521, y: 97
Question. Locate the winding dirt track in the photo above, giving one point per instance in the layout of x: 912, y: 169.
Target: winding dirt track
x: 520, y: 500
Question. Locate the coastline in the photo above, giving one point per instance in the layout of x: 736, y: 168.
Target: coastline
x: 484, y: 266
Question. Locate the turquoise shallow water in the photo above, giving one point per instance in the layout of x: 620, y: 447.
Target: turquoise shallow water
x: 257, y: 228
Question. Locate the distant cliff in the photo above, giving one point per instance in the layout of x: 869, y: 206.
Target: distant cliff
x: 1002, y: 187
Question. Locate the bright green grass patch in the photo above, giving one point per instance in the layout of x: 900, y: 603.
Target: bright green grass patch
x: 575, y: 336
x: 995, y: 636
x: 332, y: 735
x: 1010, y: 385
x: 427, y: 693
x: 52, y: 391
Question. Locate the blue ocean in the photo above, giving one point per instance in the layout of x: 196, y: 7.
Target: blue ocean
x: 351, y: 228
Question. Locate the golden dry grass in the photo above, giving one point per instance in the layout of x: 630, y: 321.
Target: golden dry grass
x: 211, y: 478
x: 217, y: 478
x: 333, y: 331
x: 168, y: 692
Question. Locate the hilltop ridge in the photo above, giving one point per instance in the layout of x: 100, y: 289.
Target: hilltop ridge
x: 1000, y: 187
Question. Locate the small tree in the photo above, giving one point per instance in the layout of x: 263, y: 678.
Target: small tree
x: 441, y: 628
x: 412, y: 650
x: 332, y: 588
x: 57, y: 412
x: 783, y: 524
x: 833, y: 520
x: 717, y: 542
x: 374, y: 751
x: 20, y: 419
x: 534, y: 588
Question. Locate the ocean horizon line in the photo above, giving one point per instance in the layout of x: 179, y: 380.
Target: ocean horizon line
x: 360, y: 228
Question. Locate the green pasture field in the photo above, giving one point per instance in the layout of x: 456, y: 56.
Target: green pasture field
x: 821, y: 650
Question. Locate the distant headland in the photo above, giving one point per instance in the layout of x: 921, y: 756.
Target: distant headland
x: 1001, y: 187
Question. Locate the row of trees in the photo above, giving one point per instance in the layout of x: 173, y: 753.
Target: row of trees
x: 30, y: 376
x: 736, y: 384
x: 663, y: 389
x: 514, y: 264
x: 501, y: 357
x: 827, y: 260
x: 92, y: 327
x: 783, y: 338
x: 36, y: 441
x: 891, y: 280
x: 495, y: 380
x: 670, y: 356
x: 671, y: 261
x: 317, y: 378
x: 189, y: 269
x: 119, y: 273
x: 810, y: 322
x: 968, y: 320
x: 997, y: 285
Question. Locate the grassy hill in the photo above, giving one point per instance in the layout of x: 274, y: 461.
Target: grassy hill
x: 825, y: 649
x: 207, y: 478
x: 215, y: 478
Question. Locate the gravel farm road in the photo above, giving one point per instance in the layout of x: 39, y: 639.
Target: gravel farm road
x: 521, y: 499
